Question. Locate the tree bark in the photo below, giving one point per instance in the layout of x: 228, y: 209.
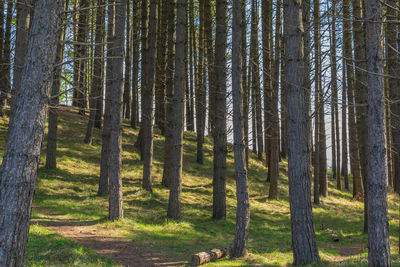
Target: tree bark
x: 148, y: 95
x: 208, y: 32
x: 303, y: 235
x: 135, y: 61
x: 98, y: 70
x: 22, y: 154
x: 378, y: 222
x: 126, y: 109
x: 219, y: 131
x: 115, y: 97
x: 51, y: 153
x: 245, y: 79
x: 239, y: 145
x: 176, y: 115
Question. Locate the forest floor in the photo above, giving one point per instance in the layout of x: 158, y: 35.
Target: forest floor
x: 70, y: 227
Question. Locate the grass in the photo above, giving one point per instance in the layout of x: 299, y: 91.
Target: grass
x: 71, y: 190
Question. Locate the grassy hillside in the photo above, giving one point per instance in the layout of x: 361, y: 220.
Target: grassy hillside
x: 71, y: 191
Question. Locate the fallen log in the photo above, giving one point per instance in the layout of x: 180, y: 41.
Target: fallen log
x: 207, y: 256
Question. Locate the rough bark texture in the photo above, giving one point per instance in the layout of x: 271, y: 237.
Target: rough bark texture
x: 273, y: 167
x: 148, y: 95
x: 242, y: 191
x: 26, y: 129
x: 200, y: 88
x: 135, y: 62
x: 115, y: 97
x: 24, y: 13
x: 360, y: 96
x: 166, y: 180
x: 245, y: 88
x: 303, y: 235
x: 51, y: 158
x: 219, y: 132
x: 209, y: 42
x: 192, y: 65
x: 106, y: 134
x: 126, y: 109
x: 175, y: 115
x: 378, y: 224
x: 98, y: 70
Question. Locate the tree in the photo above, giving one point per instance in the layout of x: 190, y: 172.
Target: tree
x: 22, y: 154
x: 209, y: 43
x: 378, y: 225
x: 245, y: 79
x: 175, y: 115
x: 242, y: 193
x: 115, y: 97
x: 126, y: 110
x: 360, y: 96
x: 148, y: 95
x: 6, y: 57
x: 303, y: 235
x: 135, y: 62
x: 51, y: 159
x: 98, y: 73
x: 219, y: 132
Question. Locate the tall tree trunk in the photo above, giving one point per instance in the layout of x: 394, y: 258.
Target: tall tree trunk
x: 22, y: 153
x: 274, y: 155
x: 126, y: 109
x: 176, y: 115
x: 98, y: 69
x: 192, y: 64
x: 378, y: 222
x: 208, y: 30
x: 106, y: 134
x: 24, y: 13
x: 284, y: 151
x: 267, y: 46
x: 245, y: 79
x: 318, y: 101
x: 81, y: 55
x: 255, y: 78
x: 148, y: 95
x: 165, y: 62
x: 361, y: 96
x: 5, y: 70
x: 219, y: 131
x: 358, y: 188
x: 344, y: 170
x: 135, y: 60
x: 200, y: 88
x: 239, y: 145
x: 394, y: 94
x: 334, y: 105
x: 115, y: 97
x: 51, y: 158
x: 166, y: 180
x: 302, y: 224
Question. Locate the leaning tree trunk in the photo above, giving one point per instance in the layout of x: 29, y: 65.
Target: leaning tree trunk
x: 51, y: 157
x: 176, y: 114
x: 22, y: 154
x: 303, y: 235
x: 148, y: 95
x: 219, y: 131
x: 115, y: 96
x: 242, y: 191
x: 378, y: 221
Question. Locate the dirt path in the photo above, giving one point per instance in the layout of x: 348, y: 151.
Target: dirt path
x: 121, y: 251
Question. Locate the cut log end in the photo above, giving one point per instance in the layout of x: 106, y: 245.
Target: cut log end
x: 208, y: 256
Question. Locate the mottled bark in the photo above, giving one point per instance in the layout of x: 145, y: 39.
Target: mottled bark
x: 148, y: 95
x: 114, y: 95
x: 302, y: 224
x: 242, y: 191
x: 378, y: 222
x: 175, y: 115
x: 22, y: 152
x: 219, y: 131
